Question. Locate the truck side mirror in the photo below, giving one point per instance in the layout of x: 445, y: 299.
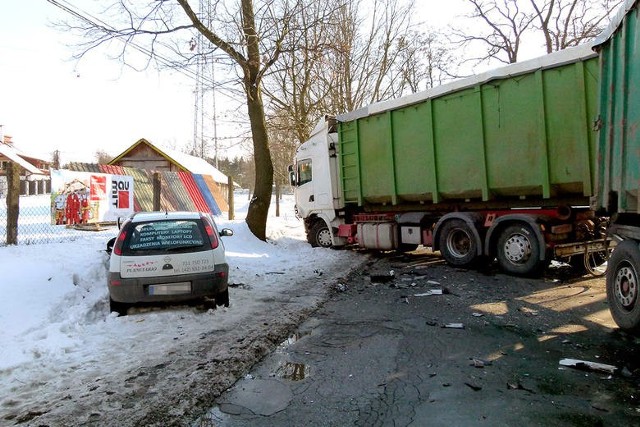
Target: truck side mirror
x: 292, y: 176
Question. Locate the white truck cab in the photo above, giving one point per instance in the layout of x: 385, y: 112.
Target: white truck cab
x: 315, y: 177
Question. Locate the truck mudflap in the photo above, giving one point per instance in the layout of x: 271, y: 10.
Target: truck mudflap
x: 348, y: 232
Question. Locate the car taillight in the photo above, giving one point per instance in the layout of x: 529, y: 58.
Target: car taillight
x: 117, y: 248
x: 213, y: 238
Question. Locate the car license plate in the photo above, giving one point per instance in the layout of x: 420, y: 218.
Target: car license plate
x: 170, y: 288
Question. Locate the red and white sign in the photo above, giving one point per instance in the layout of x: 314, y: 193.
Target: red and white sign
x: 84, y: 197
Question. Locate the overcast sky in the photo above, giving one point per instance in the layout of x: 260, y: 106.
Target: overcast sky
x: 49, y: 102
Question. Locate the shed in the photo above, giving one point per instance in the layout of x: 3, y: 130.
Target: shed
x: 145, y: 155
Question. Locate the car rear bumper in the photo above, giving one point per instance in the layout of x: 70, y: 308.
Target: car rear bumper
x: 171, y: 288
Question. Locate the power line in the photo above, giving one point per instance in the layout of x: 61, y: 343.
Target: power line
x: 199, y: 75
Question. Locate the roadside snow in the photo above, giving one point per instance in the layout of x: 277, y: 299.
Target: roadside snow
x: 64, y: 357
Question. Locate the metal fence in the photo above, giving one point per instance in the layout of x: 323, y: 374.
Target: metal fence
x: 34, y: 223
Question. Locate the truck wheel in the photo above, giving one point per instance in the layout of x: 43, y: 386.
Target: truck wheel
x: 518, y: 250
x: 458, y: 244
x: 319, y: 235
x: 622, y: 285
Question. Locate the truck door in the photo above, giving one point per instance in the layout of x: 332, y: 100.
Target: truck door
x: 305, y: 192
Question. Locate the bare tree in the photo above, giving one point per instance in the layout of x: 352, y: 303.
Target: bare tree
x: 562, y: 24
x: 252, y: 70
x: 345, y: 54
x: 55, y: 161
x: 292, y: 87
x: 102, y: 157
x: 504, y: 24
x: 360, y: 63
x: 425, y: 61
x: 283, y: 147
x: 567, y: 23
x: 250, y: 39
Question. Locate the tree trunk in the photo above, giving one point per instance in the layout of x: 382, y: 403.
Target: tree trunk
x: 13, y: 202
x: 231, y: 202
x: 259, y: 204
x: 278, y: 198
x: 157, y: 191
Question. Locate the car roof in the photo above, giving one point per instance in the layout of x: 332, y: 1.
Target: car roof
x: 159, y: 216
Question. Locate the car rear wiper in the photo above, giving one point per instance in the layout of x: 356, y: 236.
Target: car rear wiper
x: 178, y: 248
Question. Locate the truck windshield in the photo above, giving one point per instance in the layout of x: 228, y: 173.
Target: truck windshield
x: 304, y: 171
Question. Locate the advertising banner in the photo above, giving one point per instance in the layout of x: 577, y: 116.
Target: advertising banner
x: 86, y: 197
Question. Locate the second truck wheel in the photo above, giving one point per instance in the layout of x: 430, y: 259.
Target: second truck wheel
x: 518, y: 251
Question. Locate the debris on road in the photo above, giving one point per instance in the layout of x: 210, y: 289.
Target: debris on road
x: 341, y: 287
x: 473, y: 387
x: 429, y: 293
x: 589, y: 366
x: 401, y: 285
x: 528, y: 311
x: 480, y: 363
x: 518, y: 386
x: 454, y: 325
x: 382, y: 278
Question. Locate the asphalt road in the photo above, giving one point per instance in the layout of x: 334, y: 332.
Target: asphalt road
x: 392, y: 351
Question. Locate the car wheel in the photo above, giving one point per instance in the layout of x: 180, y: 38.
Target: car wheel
x: 118, y: 307
x: 222, y: 299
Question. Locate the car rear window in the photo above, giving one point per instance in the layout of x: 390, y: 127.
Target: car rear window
x: 165, y: 235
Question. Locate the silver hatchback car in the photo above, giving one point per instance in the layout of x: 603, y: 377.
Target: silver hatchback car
x: 167, y: 257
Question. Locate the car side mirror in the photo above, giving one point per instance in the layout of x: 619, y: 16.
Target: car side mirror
x: 110, y: 244
x: 227, y: 232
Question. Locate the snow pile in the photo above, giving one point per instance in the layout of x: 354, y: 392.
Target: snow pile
x: 58, y: 335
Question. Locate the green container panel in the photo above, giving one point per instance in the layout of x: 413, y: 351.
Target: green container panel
x: 523, y: 136
x: 457, y: 130
x: 419, y: 150
x: 350, y: 161
x: 618, y: 161
x: 515, y: 136
x: 378, y: 176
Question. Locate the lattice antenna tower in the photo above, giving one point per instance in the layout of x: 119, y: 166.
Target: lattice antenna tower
x: 205, y: 97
